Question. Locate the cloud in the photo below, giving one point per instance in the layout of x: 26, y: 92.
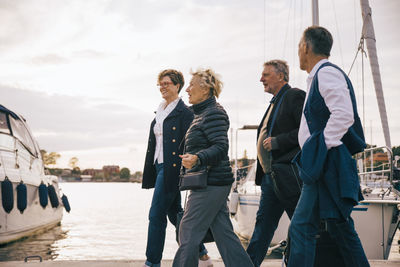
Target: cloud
x: 49, y: 59
x: 55, y: 59
x: 89, y: 54
x: 66, y: 123
x: 84, y: 72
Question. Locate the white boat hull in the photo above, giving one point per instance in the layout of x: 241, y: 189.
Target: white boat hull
x: 376, y: 224
x: 21, y: 161
x: 244, y: 220
x: 34, y: 219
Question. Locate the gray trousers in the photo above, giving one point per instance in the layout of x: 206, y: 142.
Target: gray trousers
x: 207, y: 208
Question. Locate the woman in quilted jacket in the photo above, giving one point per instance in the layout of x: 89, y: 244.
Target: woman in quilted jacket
x: 206, y: 146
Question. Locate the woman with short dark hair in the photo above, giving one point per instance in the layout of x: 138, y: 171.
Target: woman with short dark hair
x: 162, y: 164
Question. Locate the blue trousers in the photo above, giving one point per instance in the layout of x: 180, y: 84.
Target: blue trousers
x: 268, y: 216
x: 304, y: 228
x: 163, y: 204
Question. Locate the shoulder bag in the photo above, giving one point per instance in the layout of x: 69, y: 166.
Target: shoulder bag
x: 193, y: 180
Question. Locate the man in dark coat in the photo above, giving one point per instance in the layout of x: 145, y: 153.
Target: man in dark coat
x: 276, y: 144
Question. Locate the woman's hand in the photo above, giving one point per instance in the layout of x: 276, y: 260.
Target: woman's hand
x: 188, y: 160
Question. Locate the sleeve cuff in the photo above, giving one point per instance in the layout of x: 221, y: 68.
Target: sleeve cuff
x: 198, y: 163
x: 274, y: 143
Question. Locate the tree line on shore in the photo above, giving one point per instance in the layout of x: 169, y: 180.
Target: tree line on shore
x: 74, y: 173
x: 113, y: 173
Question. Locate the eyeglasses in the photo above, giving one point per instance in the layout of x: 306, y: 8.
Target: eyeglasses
x: 164, y: 84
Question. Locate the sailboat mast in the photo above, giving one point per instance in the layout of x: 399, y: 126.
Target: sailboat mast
x: 369, y: 36
x: 315, y: 13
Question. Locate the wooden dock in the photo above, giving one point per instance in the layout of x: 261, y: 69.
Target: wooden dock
x: 165, y: 263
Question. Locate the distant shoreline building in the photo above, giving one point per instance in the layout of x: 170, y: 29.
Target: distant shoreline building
x: 110, y: 170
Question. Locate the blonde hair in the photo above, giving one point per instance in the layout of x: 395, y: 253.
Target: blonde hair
x: 209, y: 79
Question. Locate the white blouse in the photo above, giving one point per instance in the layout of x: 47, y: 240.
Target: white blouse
x: 162, y: 112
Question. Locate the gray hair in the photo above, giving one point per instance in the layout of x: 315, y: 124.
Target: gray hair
x: 280, y: 66
x: 320, y: 40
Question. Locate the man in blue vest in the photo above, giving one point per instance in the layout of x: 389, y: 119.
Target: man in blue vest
x: 330, y: 133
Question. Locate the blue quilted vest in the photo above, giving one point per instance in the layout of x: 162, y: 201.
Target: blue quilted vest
x: 317, y: 114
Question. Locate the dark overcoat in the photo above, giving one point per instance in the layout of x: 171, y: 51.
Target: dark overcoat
x: 175, y: 126
x: 286, y: 127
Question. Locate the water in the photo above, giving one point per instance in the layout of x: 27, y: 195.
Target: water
x: 108, y: 221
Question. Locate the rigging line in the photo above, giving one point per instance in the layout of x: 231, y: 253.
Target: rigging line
x: 363, y: 89
x: 360, y: 46
x: 294, y: 37
x: 337, y: 32
x: 363, y: 53
x: 287, y: 28
x: 294, y: 27
x: 264, y: 30
x: 355, y: 42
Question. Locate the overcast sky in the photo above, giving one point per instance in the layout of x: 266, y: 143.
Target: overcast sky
x: 83, y: 73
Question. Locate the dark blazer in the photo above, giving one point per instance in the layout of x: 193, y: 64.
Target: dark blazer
x: 174, y: 130
x: 335, y: 171
x: 286, y: 127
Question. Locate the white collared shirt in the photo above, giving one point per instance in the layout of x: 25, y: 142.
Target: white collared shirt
x: 162, y: 112
x: 333, y: 88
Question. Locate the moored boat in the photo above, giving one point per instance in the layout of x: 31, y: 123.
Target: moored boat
x: 31, y: 201
x: 376, y: 218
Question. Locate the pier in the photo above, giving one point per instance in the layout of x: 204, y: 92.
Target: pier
x: 165, y: 263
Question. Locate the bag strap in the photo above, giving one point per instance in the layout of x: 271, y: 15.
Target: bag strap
x: 276, y: 112
x: 186, y: 195
x: 182, y: 171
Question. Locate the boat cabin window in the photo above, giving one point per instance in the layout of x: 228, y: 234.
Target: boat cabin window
x: 19, y: 131
x: 3, y: 123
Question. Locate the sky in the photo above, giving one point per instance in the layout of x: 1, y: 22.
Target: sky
x: 84, y: 73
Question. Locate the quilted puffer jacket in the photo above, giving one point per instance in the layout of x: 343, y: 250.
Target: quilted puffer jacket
x: 208, y: 139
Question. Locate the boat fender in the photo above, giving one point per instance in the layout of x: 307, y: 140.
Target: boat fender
x: 22, y: 196
x: 43, y: 195
x: 7, y: 195
x: 233, y: 202
x: 53, y: 196
x: 65, y: 202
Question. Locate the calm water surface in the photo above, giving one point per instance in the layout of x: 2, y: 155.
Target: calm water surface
x: 108, y: 221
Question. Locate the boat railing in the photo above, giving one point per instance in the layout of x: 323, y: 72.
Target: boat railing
x: 235, y: 168
x: 375, y: 167
x: 245, y: 182
x: 245, y: 173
